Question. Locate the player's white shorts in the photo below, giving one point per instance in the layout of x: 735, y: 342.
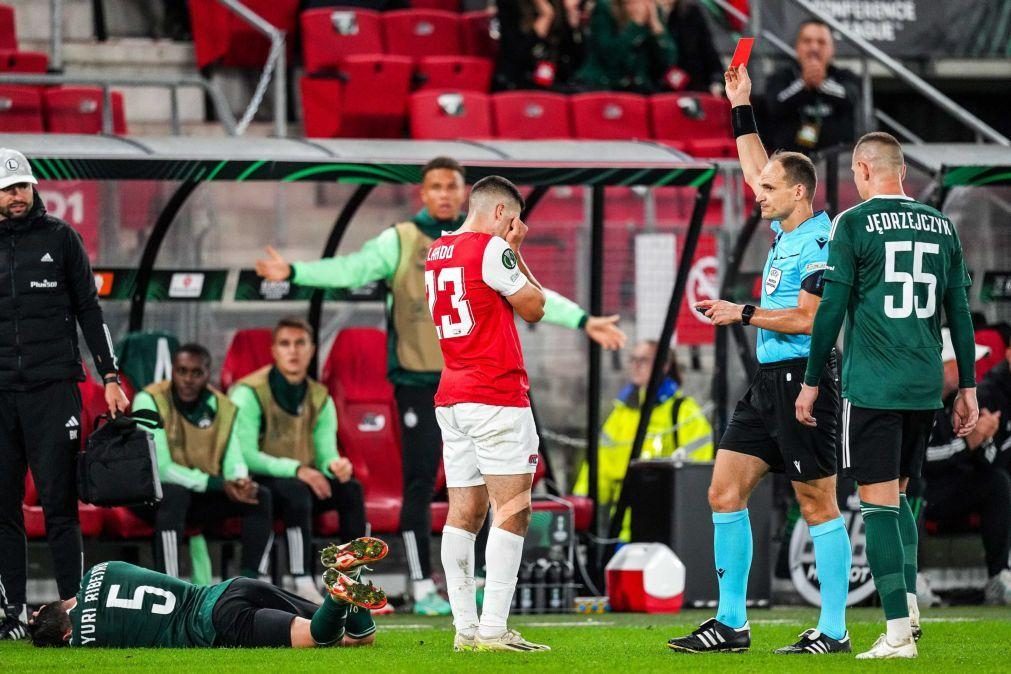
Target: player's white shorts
x: 479, y: 440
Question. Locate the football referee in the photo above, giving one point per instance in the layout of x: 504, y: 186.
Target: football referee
x: 46, y: 289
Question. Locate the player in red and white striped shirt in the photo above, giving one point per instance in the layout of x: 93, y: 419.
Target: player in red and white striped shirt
x: 475, y: 279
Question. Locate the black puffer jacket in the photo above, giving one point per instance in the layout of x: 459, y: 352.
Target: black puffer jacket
x: 46, y: 288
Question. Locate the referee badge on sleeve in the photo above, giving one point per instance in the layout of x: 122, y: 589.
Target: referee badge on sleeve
x: 772, y: 280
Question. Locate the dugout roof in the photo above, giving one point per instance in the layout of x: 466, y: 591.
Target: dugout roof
x: 536, y: 163
x: 962, y: 164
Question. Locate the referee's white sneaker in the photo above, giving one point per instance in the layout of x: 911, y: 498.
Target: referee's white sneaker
x: 510, y: 640
x: 882, y: 649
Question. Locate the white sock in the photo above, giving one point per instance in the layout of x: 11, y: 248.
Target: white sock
x: 914, y: 609
x: 504, y: 554
x: 422, y: 588
x: 899, y: 631
x: 458, y: 565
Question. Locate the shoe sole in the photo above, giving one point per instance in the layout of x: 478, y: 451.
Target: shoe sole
x: 365, y: 550
x: 363, y: 595
x: 804, y: 652
x: 508, y: 649
x: 685, y: 649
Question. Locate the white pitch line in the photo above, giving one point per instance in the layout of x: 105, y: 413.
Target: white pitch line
x: 611, y: 623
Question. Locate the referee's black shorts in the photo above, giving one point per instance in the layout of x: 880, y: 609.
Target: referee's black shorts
x: 765, y: 425
x: 884, y: 445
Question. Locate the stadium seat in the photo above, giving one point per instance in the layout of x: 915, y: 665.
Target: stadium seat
x: 367, y: 431
x: 443, y: 5
x: 461, y: 73
x: 20, y: 110
x: 91, y: 517
x: 476, y: 33
x: 331, y: 35
x: 610, y: 116
x: 417, y: 33
x: 990, y: 338
x: 368, y: 100
x: 8, y: 31
x: 145, y: 357
x: 248, y: 351
x: 531, y: 115
x: 448, y: 115
x: 699, y: 124
x: 222, y: 37
x: 24, y: 62
x: 79, y: 110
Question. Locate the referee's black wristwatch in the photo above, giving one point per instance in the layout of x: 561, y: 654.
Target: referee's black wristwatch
x: 112, y: 378
x: 746, y: 313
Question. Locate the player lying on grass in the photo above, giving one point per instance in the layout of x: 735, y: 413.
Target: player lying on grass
x: 121, y: 605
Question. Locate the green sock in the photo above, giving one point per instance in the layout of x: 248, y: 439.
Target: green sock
x: 360, y: 623
x: 885, y: 556
x: 910, y: 541
x: 328, y: 621
x: 200, y: 560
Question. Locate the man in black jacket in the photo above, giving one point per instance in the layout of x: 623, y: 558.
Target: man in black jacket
x: 812, y: 104
x: 995, y: 394
x: 46, y: 289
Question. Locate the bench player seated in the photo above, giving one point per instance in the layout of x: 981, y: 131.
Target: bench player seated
x: 121, y: 605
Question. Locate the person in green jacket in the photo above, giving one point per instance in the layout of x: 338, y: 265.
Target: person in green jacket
x: 287, y: 428
x: 629, y: 48
x: 677, y: 427
x: 397, y: 256
x: 203, y: 473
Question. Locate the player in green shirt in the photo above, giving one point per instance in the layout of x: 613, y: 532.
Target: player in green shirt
x: 893, y: 263
x: 287, y: 427
x: 121, y: 605
x: 397, y: 257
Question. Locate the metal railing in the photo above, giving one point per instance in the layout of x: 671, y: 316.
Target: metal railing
x: 276, y: 67
x: 106, y: 83
x: 981, y: 128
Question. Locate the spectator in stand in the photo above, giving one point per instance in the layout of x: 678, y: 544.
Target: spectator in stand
x: 541, y: 45
x: 687, y: 24
x: 995, y: 394
x: 628, y: 48
x: 677, y: 427
x: 961, y: 480
x: 811, y: 103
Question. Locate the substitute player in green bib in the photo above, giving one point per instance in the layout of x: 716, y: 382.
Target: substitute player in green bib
x: 121, y: 605
x: 893, y: 263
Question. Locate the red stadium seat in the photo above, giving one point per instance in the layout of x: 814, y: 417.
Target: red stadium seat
x: 531, y: 115
x: 331, y: 35
x: 24, y: 62
x: 462, y: 73
x: 368, y: 100
x: 220, y: 36
x: 417, y: 33
x: 610, y: 116
x: 998, y: 350
x: 696, y: 123
x: 443, y: 5
x: 8, y: 31
x: 448, y: 115
x: 475, y: 28
x: 79, y: 110
x: 367, y: 420
x: 20, y: 110
x: 247, y: 353
x: 91, y: 517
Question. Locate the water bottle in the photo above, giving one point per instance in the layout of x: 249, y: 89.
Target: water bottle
x: 540, y: 590
x: 568, y: 586
x: 555, y: 587
x: 524, y: 599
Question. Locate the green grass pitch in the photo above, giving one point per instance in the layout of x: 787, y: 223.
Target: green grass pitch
x: 968, y: 640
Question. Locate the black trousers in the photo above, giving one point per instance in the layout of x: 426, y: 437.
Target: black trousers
x: 254, y: 614
x: 180, y: 507
x: 421, y: 440
x: 295, y: 504
x: 986, y: 491
x: 40, y: 429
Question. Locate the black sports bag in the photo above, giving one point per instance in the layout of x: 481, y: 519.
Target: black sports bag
x: 118, y: 467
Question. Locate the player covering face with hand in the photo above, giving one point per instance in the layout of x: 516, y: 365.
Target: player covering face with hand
x: 121, y: 605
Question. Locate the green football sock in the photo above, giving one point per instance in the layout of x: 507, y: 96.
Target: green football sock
x: 910, y: 541
x: 200, y: 560
x: 885, y: 556
x: 328, y: 621
x: 360, y: 623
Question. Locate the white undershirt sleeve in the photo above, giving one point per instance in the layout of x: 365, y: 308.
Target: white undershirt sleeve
x: 499, y: 268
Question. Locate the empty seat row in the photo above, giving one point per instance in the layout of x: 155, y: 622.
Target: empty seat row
x: 331, y: 36
x: 373, y: 100
x: 25, y: 109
